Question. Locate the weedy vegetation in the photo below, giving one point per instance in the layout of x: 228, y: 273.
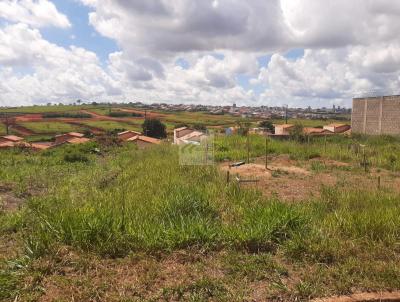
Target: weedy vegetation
x: 185, y: 233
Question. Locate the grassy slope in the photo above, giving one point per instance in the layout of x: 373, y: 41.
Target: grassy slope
x: 50, y: 127
x: 111, y: 125
x: 2, y: 129
x: 145, y: 204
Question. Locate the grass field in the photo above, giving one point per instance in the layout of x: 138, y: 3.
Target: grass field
x: 112, y: 125
x: 135, y: 225
x: 50, y: 127
x: 2, y: 129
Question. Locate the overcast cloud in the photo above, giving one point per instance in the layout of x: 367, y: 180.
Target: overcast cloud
x: 255, y: 52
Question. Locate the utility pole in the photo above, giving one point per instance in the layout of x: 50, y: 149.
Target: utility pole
x: 7, y: 124
x: 145, y: 119
x: 286, y: 111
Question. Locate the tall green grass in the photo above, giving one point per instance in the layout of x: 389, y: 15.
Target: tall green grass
x: 132, y: 200
x: 146, y: 201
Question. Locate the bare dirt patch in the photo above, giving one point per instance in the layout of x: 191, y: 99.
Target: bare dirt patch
x: 290, y: 180
x: 364, y: 297
x: 9, y: 202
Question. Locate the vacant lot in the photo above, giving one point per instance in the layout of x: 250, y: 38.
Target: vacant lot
x: 135, y: 225
x: 49, y: 127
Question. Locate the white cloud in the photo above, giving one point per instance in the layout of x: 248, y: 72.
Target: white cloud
x: 350, y: 46
x: 37, y: 13
x: 36, y: 71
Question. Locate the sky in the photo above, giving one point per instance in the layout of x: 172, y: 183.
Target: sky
x: 216, y: 52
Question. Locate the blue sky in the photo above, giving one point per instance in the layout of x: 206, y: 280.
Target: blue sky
x: 81, y: 33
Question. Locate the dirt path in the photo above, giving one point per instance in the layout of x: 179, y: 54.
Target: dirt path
x: 21, y: 130
x: 149, y: 114
x: 94, y: 130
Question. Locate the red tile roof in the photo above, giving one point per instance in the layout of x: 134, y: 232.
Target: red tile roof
x: 13, y: 138
x: 129, y: 131
x: 6, y: 145
x: 78, y: 140
x: 146, y: 139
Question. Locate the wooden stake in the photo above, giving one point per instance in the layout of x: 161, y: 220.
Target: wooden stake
x: 248, y: 148
x: 227, y: 177
x: 266, y: 153
x: 379, y: 182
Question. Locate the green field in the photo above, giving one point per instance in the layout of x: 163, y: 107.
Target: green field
x: 2, y: 129
x: 50, y: 127
x: 112, y: 125
x: 91, y: 224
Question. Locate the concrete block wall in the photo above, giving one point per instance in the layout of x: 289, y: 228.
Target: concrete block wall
x: 376, y: 115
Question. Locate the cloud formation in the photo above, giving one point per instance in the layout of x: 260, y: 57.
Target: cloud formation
x: 206, y: 51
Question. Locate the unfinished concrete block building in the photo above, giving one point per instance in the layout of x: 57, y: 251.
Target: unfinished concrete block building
x: 376, y: 115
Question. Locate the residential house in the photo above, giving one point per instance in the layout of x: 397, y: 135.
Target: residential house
x: 283, y: 129
x: 337, y: 128
x: 316, y: 131
x: 63, y: 138
x: 193, y: 137
x: 10, y: 138
x: 128, y: 134
x: 143, y: 141
x: 181, y: 132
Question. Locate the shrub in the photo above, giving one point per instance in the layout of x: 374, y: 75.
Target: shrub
x: 154, y: 128
x: 75, y: 156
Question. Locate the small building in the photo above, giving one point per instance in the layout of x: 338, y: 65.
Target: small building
x: 180, y: 132
x: 316, y: 131
x: 283, y: 129
x: 6, y: 145
x: 10, y: 138
x: 337, y: 128
x: 193, y: 137
x: 77, y: 140
x: 143, y: 141
x: 63, y: 138
x: 128, y: 134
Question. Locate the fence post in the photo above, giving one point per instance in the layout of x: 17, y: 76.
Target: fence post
x: 227, y: 176
x: 266, y: 153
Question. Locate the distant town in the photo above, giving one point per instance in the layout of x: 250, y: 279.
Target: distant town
x: 260, y: 112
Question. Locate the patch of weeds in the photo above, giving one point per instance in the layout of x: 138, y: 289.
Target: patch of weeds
x: 254, y: 267
x: 305, y: 290
x: 279, y: 172
x: 318, y: 166
x: 75, y: 156
x: 202, y: 290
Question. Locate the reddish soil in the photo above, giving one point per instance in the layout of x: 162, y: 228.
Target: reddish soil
x: 149, y: 114
x: 21, y: 130
x: 94, y: 130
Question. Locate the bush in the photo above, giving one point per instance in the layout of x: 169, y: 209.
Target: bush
x: 75, y: 156
x: 154, y: 128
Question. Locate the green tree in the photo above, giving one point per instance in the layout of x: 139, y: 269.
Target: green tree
x: 297, y: 133
x: 267, y: 125
x: 154, y: 128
